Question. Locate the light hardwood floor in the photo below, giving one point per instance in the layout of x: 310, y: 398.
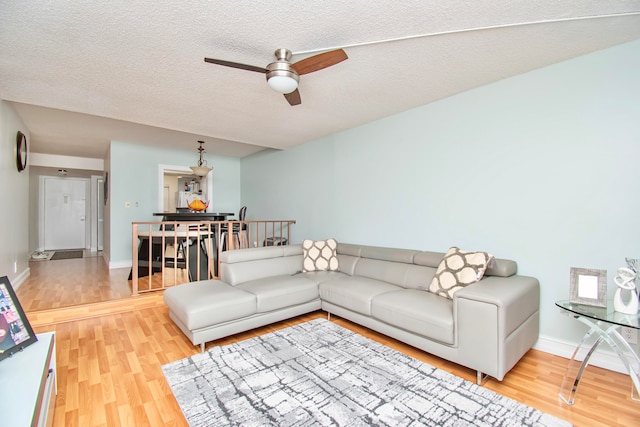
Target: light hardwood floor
x: 65, y: 282
x: 109, y: 357
x: 62, y: 283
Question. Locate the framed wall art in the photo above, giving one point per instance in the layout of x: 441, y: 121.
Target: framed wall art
x: 15, y: 331
x: 588, y: 286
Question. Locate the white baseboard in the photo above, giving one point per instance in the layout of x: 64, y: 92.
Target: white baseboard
x: 118, y: 264
x: 20, y: 278
x: 602, y: 358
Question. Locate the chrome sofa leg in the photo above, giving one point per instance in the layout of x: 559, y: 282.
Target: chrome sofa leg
x: 202, y: 348
x: 482, y: 378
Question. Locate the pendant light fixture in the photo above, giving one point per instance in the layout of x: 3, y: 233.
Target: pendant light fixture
x: 202, y: 169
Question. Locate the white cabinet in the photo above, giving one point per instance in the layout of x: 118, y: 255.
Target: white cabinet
x: 28, y: 379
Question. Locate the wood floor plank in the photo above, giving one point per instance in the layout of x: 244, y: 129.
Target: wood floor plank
x: 112, y: 414
x: 109, y: 368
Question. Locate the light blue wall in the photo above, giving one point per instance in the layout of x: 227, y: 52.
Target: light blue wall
x: 14, y: 193
x: 133, y: 178
x: 542, y: 168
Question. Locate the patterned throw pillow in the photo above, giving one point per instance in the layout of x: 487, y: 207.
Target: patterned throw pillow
x: 319, y: 255
x: 458, y: 269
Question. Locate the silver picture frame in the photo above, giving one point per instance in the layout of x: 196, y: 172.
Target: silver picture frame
x: 588, y: 286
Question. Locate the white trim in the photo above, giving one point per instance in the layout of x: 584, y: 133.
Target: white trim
x: 41, y: 212
x: 119, y: 264
x: 70, y: 162
x: 116, y: 264
x: 17, y: 281
x: 601, y: 358
x: 96, y: 180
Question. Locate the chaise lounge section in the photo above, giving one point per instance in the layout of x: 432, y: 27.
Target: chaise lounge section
x: 486, y: 326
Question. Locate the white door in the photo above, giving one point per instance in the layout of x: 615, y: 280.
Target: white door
x: 64, y: 213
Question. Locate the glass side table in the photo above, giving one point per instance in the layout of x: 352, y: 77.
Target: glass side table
x: 604, y: 323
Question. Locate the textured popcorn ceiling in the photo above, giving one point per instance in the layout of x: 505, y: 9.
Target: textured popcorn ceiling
x: 83, y: 73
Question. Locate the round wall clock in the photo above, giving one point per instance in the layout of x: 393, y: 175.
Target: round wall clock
x: 21, y: 151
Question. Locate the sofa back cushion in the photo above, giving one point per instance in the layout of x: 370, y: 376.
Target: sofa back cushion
x: 388, y: 254
x: 419, y: 277
x: 244, y: 265
x: 501, y: 267
x: 403, y: 267
x: 392, y: 265
x: 347, y: 264
x: 417, y: 272
x: 348, y: 257
x: 386, y: 271
x: 428, y: 259
x: 409, y: 276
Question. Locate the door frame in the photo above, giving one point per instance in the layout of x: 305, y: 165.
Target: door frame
x: 41, y: 211
x: 97, y: 204
x: 186, y: 171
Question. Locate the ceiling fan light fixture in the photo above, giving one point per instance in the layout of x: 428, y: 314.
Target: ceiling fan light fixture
x: 283, y: 81
x: 283, y: 84
x: 281, y: 77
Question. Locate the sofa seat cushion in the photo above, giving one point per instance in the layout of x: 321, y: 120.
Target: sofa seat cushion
x: 354, y: 292
x: 273, y: 293
x: 208, y: 302
x: 423, y: 313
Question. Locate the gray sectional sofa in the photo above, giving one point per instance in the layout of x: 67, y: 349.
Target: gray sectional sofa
x: 487, y: 326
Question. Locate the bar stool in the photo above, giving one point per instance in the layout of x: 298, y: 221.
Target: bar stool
x: 238, y: 233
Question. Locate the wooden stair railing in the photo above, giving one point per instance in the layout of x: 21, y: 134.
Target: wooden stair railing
x: 168, y: 253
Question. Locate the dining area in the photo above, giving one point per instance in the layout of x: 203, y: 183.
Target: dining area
x: 184, y: 246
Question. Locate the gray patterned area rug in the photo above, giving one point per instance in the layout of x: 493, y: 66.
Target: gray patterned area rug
x: 321, y: 374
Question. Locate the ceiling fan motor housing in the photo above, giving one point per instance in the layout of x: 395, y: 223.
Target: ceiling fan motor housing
x: 280, y: 76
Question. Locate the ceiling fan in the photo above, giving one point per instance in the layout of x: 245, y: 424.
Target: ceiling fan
x: 283, y: 76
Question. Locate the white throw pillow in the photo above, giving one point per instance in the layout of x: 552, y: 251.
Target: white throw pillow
x: 458, y: 269
x: 319, y: 255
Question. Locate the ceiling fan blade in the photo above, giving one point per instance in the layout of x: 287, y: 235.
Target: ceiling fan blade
x: 235, y: 65
x: 293, y: 97
x: 319, y: 61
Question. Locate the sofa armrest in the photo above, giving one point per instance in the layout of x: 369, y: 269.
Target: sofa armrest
x: 496, y: 322
x: 517, y: 297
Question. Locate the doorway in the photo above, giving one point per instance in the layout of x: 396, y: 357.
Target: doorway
x: 63, y: 213
x: 173, y: 170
